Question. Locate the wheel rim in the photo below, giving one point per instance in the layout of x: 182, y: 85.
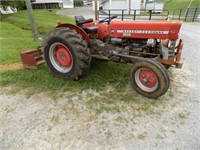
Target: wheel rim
x: 60, y: 57
x: 146, y: 80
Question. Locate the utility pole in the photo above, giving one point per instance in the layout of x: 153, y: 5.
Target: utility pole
x: 129, y: 7
x: 95, y: 9
x: 32, y: 21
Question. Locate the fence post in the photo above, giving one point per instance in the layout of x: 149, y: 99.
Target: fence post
x: 150, y: 11
x: 134, y: 15
x: 109, y: 13
x: 180, y: 12
x: 194, y: 14
x: 167, y: 14
x: 122, y: 15
x: 173, y: 14
x: 186, y: 15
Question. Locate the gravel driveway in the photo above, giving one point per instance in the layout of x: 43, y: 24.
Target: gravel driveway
x: 37, y: 121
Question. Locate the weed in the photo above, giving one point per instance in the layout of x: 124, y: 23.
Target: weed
x: 183, y: 115
x: 108, y: 134
x: 142, y: 136
x: 173, y: 131
x: 54, y: 119
x: 120, y: 119
x: 159, y: 136
x: 107, y: 108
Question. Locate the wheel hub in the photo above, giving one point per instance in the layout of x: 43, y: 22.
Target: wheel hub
x: 147, y: 78
x: 63, y: 56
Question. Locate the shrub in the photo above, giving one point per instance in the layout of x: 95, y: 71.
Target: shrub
x: 78, y: 3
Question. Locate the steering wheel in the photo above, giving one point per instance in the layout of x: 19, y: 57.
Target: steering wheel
x: 108, y: 19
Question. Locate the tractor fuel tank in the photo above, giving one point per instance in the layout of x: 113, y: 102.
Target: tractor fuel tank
x: 145, y: 29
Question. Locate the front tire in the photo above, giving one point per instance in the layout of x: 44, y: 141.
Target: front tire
x: 66, y: 54
x: 149, y: 78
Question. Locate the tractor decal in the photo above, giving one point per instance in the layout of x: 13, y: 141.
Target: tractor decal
x: 142, y: 31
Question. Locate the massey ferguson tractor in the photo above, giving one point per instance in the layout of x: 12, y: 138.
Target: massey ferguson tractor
x: 151, y: 46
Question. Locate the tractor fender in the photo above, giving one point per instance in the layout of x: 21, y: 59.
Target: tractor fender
x: 77, y: 29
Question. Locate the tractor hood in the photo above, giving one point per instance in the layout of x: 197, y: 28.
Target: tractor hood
x: 145, y: 29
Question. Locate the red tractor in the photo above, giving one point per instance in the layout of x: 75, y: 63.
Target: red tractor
x: 149, y: 45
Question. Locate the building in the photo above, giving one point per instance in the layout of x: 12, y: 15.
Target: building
x: 87, y: 2
x: 49, y: 4
x: 122, y: 4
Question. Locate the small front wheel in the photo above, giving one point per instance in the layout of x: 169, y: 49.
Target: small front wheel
x: 149, y: 78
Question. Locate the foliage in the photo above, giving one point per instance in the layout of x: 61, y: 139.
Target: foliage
x: 78, y: 3
x: 16, y: 4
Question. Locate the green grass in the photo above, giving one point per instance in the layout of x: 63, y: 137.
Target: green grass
x: 100, y: 75
x: 180, y: 4
x: 14, y: 40
x: 44, y: 19
x: 16, y: 32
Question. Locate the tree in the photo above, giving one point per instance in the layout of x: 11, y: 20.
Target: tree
x: 78, y: 3
x: 16, y: 4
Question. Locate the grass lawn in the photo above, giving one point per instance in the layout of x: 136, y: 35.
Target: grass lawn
x: 180, y: 4
x: 45, y: 20
x: 13, y: 41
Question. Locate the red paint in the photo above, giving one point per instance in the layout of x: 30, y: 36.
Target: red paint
x: 102, y: 29
x: 172, y: 26
x: 63, y: 56
x: 147, y: 78
x: 32, y: 58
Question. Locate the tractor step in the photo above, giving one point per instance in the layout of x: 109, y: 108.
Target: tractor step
x: 32, y: 58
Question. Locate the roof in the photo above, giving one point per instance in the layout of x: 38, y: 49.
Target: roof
x: 47, y: 1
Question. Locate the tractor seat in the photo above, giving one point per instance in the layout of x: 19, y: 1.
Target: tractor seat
x: 80, y: 20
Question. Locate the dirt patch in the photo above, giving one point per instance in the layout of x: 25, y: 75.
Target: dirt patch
x: 14, y: 66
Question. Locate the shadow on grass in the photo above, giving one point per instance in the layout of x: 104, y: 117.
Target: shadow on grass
x: 100, y: 75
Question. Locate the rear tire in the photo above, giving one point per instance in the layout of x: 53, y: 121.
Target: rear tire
x: 66, y: 54
x: 149, y: 78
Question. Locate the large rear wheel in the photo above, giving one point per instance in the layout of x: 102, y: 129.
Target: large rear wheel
x: 66, y: 54
x: 149, y: 78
